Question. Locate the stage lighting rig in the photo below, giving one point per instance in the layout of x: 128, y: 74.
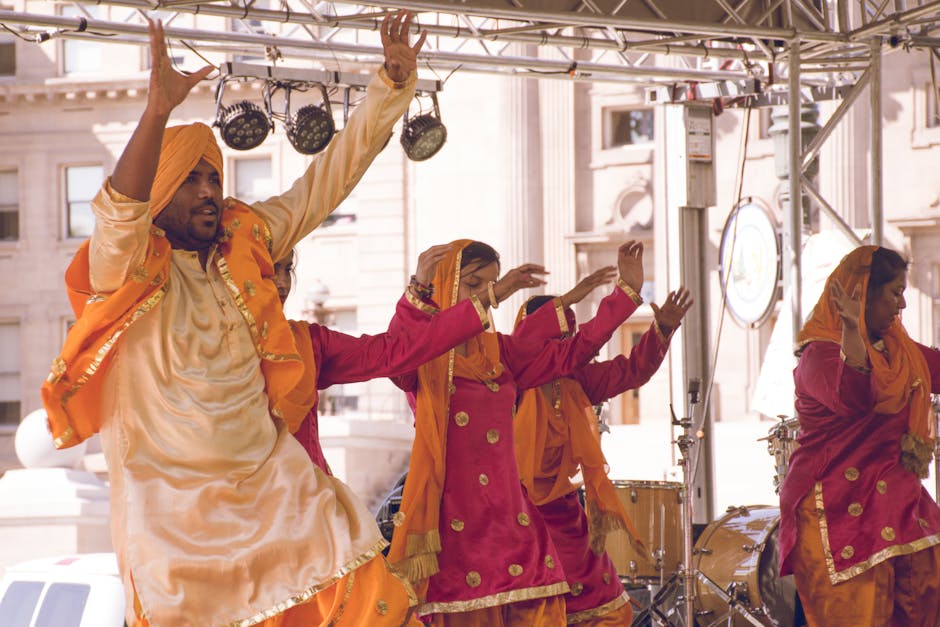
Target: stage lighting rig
x: 423, y: 135
x: 244, y: 125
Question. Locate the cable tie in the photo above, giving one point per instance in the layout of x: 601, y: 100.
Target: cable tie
x: 82, y: 25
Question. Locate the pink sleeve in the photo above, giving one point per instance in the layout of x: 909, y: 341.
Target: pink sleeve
x: 534, y: 362
x: 823, y: 380
x: 548, y: 321
x: 932, y: 355
x: 410, y: 311
x: 418, y: 339
x: 607, y: 379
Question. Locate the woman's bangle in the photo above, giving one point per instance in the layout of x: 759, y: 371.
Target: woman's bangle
x: 424, y: 292
x: 492, y: 294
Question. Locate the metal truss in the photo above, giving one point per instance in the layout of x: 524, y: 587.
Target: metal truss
x: 763, y: 51
x: 655, y: 42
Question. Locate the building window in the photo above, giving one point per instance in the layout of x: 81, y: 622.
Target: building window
x: 253, y: 180
x: 81, y: 56
x: 9, y: 206
x: 81, y: 185
x: 627, y: 127
x: 10, y: 373
x: 631, y: 334
x: 7, y: 56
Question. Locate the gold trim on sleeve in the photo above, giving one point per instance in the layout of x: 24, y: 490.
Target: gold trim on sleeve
x: 629, y: 291
x: 416, y: 302
x: 481, y: 311
x: 659, y: 332
x: 560, y: 313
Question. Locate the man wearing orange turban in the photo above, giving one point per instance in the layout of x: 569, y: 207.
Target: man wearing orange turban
x: 181, y: 355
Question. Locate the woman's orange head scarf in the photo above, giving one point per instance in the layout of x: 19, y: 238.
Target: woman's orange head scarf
x: 182, y: 148
x: 417, y: 540
x: 900, y: 375
x: 547, y: 464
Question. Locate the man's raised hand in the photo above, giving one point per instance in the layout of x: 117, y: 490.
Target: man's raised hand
x: 168, y: 87
x: 401, y: 59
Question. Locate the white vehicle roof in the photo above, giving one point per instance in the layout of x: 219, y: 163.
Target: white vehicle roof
x: 86, y: 563
x: 66, y: 591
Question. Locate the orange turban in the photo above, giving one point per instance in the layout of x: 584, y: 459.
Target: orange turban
x: 183, y: 147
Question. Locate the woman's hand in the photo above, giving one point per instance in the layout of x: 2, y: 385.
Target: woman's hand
x: 673, y: 310
x: 525, y: 276
x: 848, y: 307
x: 630, y: 264
x: 427, y: 263
x: 588, y: 284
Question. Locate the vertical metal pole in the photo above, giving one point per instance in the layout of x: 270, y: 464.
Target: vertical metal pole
x: 794, y: 221
x: 876, y: 192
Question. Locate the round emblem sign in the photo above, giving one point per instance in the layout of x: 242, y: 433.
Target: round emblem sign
x: 750, y: 263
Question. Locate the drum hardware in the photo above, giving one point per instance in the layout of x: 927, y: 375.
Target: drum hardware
x: 685, y: 442
x: 664, y: 607
x: 736, y: 595
x: 781, y: 443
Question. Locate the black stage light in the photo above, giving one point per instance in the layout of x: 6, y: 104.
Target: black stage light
x: 423, y: 135
x: 312, y: 127
x: 243, y: 125
x: 310, y: 130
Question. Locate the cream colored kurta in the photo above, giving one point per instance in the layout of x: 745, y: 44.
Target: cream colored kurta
x: 218, y: 516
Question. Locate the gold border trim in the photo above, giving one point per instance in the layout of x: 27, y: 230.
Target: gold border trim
x: 420, y: 304
x: 629, y: 291
x: 249, y: 317
x: 481, y: 311
x: 492, y: 600
x: 560, y: 312
x: 659, y: 332
x: 884, y: 554
x: 105, y: 348
x: 309, y: 593
x: 611, y: 606
x: 799, y: 346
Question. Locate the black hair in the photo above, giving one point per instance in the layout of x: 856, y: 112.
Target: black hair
x: 480, y: 253
x: 535, y: 302
x: 886, y: 266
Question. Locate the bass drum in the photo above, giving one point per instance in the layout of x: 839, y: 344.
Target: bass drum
x: 655, y: 509
x: 737, y: 556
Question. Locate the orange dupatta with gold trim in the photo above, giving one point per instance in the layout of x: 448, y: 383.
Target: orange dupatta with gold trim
x: 72, y: 392
x: 899, y: 375
x: 299, y: 401
x: 546, y: 467
x: 417, y: 540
